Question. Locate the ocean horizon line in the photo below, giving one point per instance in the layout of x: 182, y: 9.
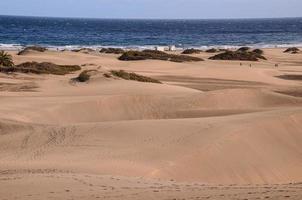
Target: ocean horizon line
x: 152, y: 19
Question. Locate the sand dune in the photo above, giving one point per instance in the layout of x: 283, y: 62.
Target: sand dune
x: 114, y: 107
x: 218, y: 130
x: 261, y: 148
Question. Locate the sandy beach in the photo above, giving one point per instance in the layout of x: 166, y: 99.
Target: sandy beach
x: 216, y: 130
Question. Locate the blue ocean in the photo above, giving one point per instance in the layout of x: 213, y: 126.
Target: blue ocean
x: 16, y: 32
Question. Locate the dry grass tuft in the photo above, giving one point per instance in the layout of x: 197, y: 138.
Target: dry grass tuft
x: 41, y: 68
x: 84, y: 76
x: 133, y: 76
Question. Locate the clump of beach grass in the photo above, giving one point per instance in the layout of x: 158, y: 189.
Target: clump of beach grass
x: 133, y: 76
x: 192, y: 51
x: 244, y: 49
x: 83, y: 76
x: 112, y: 50
x: 212, y: 50
x: 41, y: 68
x: 32, y: 48
x: 243, y: 54
x: 292, y: 50
x: 156, y: 55
x: 258, y: 51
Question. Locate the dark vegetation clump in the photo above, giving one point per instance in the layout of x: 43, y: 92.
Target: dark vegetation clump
x: 258, y: 51
x: 294, y: 77
x: 212, y: 50
x: 244, y: 49
x: 156, y: 55
x: 243, y: 53
x: 32, y: 48
x: 83, y: 50
x: 238, y: 55
x: 292, y: 50
x: 112, y: 50
x: 134, y: 55
x: 133, y: 76
x: 84, y: 76
x: 6, y: 59
x: 41, y: 68
x: 191, y: 51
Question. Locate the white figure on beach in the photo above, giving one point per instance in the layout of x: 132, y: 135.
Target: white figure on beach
x: 160, y: 48
x: 172, y: 48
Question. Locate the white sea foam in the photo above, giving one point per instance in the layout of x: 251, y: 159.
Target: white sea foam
x: 10, y: 47
x: 17, y: 47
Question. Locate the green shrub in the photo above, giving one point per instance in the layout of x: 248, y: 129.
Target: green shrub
x: 6, y: 59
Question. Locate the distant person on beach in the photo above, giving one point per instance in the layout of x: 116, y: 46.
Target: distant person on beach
x: 276, y: 65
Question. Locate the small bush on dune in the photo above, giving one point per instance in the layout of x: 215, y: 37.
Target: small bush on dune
x: 213, y: 50
x: 112, y: 50
x: 238, y: 55
x: 6, y: 59
x: 156, y: 55
x: 32, y: 48
x: 84, y: 76
x: 292, y: 50
x: 133, y: 55
x: 191, y: 51
x: 41, y: 68
x: 83, y: 50
x: 258, y: 51
x: 133, y: 76
x: 244, y: 49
